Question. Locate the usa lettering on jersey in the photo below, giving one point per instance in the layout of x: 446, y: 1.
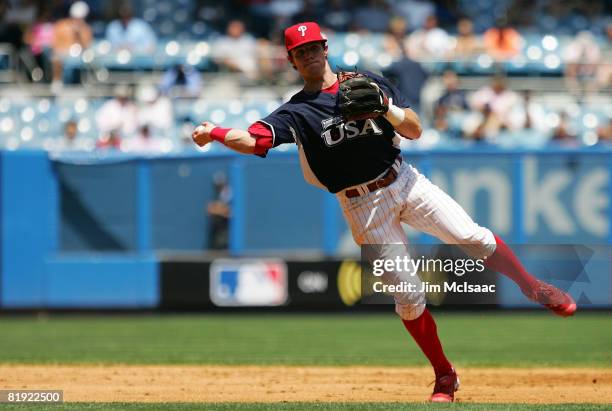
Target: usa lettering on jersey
x: 331, y: 147
x: 335, y: 131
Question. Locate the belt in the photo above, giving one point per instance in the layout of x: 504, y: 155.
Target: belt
x: 389, y: 177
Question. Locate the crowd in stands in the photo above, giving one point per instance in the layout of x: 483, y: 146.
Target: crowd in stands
x: 245, y: 38
x: 246, y: 35
x: 493, y: 109
x: 134, y: 125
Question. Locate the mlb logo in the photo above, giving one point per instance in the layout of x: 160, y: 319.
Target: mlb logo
x: 260, y: 283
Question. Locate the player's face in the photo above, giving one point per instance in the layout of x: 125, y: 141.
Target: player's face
x: 309, y: 59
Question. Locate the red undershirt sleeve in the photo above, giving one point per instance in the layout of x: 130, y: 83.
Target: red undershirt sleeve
x: 263, y: 137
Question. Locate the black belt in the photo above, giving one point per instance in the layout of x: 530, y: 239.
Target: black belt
x: 387, y: 179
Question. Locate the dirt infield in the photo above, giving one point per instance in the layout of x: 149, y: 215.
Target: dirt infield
x: 275, y: 383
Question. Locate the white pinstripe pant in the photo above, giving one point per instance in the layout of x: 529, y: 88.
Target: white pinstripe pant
x: 375, y: 218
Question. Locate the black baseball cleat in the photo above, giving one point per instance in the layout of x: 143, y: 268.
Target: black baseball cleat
x: 556, y: 300
x: 446, y: 385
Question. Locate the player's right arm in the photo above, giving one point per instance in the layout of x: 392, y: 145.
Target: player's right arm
x: 234, y: 138
x: 275, y: 129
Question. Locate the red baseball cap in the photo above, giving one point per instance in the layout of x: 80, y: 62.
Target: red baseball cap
x: 302, y: 33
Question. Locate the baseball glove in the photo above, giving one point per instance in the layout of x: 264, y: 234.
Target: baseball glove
x: 360, y: 97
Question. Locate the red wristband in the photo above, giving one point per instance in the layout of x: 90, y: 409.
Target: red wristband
x: 219, y: 133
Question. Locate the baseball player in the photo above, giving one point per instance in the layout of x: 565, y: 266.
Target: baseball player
x: 346, y: 128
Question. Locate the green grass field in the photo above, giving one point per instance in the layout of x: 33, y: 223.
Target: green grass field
x: 470, y: 339
x: 474, y: 340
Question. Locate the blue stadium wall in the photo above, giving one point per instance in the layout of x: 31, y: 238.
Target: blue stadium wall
x: 91, y: 231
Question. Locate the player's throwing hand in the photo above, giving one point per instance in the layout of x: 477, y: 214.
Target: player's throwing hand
x: 201, y: 134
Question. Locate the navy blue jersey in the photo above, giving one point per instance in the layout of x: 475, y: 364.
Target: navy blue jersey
x: 340, y: 154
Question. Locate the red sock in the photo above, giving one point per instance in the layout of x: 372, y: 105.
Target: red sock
x: 425, y: 333
x: 505, y: 262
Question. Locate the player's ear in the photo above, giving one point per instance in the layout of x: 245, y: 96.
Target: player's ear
x: 290, y: 59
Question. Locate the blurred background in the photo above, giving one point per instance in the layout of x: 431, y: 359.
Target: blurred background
x: 106, y: 203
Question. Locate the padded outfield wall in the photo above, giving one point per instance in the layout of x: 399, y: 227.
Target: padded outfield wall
x: 90, y: 231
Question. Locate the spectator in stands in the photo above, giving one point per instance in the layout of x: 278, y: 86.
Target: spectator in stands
x: 118, y: 115
x: 468, y: 44
x: 408, y: 75
x: 500, y: 101
x: 440, y: 120
x: 452, y: 100
x: 283, y: 11
x: 372, y: 16
x: 564, y: 133
x: 415, y: 12
x: 482, y: 125
x: 131, y: 33
x: 429, y: 42
x: 604, y: 133
x: 219, y: 213
x: 10, y: 32
x: 181, y: 79
x: 186, y: 128
x: 534, y: 115
x: 71, y: 36
x: 39, y: 37
x: 71, y: 140
x: 144, y: 142
x: 237, y: 50
x: 528, y: 114
x: 70, y: 132
x: 604, y: 71
x: 582, y: 57
x: 155, y: 110
x: 109, y: 141
x: 395, y: 41
x: 502, y: 42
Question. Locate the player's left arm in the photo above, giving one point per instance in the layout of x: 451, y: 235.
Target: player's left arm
x: 405, y: 121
